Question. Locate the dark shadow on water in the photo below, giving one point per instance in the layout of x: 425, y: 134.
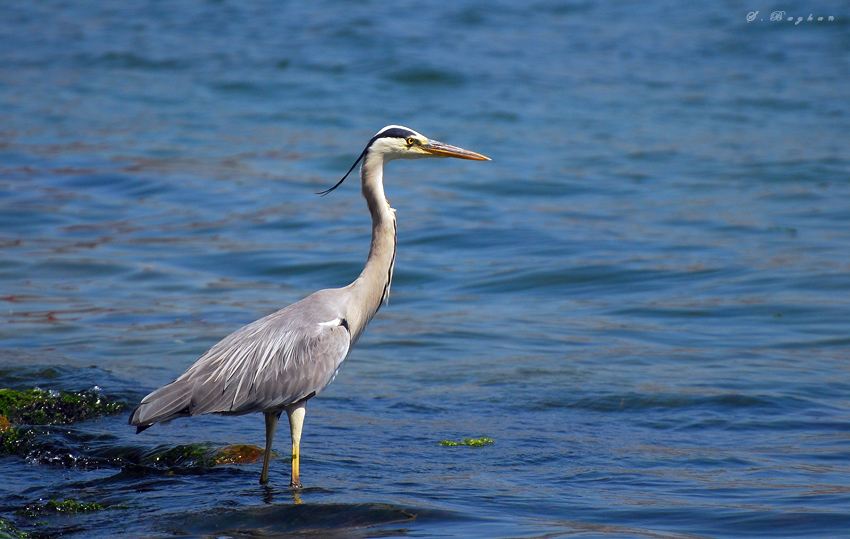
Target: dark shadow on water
x: 295, y: 520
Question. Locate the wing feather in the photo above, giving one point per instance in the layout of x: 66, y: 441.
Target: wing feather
x: 266, y: 365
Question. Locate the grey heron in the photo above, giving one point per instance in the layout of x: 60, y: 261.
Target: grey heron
x: 279, y: 362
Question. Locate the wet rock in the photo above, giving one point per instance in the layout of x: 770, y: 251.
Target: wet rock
x: 201, y: 455
x: 14, y: 441
x: 238, y: 454
x: 295, y: 520
x: 26, y: 415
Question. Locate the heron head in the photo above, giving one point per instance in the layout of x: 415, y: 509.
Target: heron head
x: 399, y: 142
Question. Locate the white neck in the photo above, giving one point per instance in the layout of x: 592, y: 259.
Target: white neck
x: 372, y: 287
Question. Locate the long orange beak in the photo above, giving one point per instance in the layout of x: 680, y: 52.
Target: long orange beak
x: 439, y: 149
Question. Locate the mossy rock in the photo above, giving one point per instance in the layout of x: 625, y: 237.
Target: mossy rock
x: 23, y: 414
x: 64, y: 507
x: 39, y: 407
x: 471, y: 442
x: 9, y: 531
x: 179, y: 455
x: 237, y: 454
x: 202, y: 455
x: 15, y: 441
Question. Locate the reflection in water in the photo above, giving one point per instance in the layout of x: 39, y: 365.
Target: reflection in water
x: 271, y: 493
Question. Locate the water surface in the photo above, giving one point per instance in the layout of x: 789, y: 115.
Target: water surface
x: 644, y: 299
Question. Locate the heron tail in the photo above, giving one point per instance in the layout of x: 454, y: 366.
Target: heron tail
x: 166, y: 403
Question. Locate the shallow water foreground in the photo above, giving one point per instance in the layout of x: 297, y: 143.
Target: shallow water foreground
x: 643, y: 300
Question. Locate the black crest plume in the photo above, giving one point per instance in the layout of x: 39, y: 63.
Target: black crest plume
x: 388, y: 132
x: 326, y: 191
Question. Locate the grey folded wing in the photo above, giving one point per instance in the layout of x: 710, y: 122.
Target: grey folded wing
x: 267, y: 365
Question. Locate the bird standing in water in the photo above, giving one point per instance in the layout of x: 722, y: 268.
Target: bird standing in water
x: 279, y: 362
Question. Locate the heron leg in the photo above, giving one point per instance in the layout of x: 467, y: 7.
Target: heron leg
x: 271, y: 427
x: 296, y: 414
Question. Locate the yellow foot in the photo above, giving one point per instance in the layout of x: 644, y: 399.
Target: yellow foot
x: 295, y: 483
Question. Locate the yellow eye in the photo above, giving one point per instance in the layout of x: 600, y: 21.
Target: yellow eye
x: 411, y: 141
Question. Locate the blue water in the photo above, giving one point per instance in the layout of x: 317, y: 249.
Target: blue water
x: 644, y: 299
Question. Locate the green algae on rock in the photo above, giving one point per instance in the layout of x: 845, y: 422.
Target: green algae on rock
x: 14, y: 441
x: 9, y: 531
x: 201, y: 455
x: 25, y: 413
x: 471, y: 442
x: 40, y: 407
x: 65, y: 507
